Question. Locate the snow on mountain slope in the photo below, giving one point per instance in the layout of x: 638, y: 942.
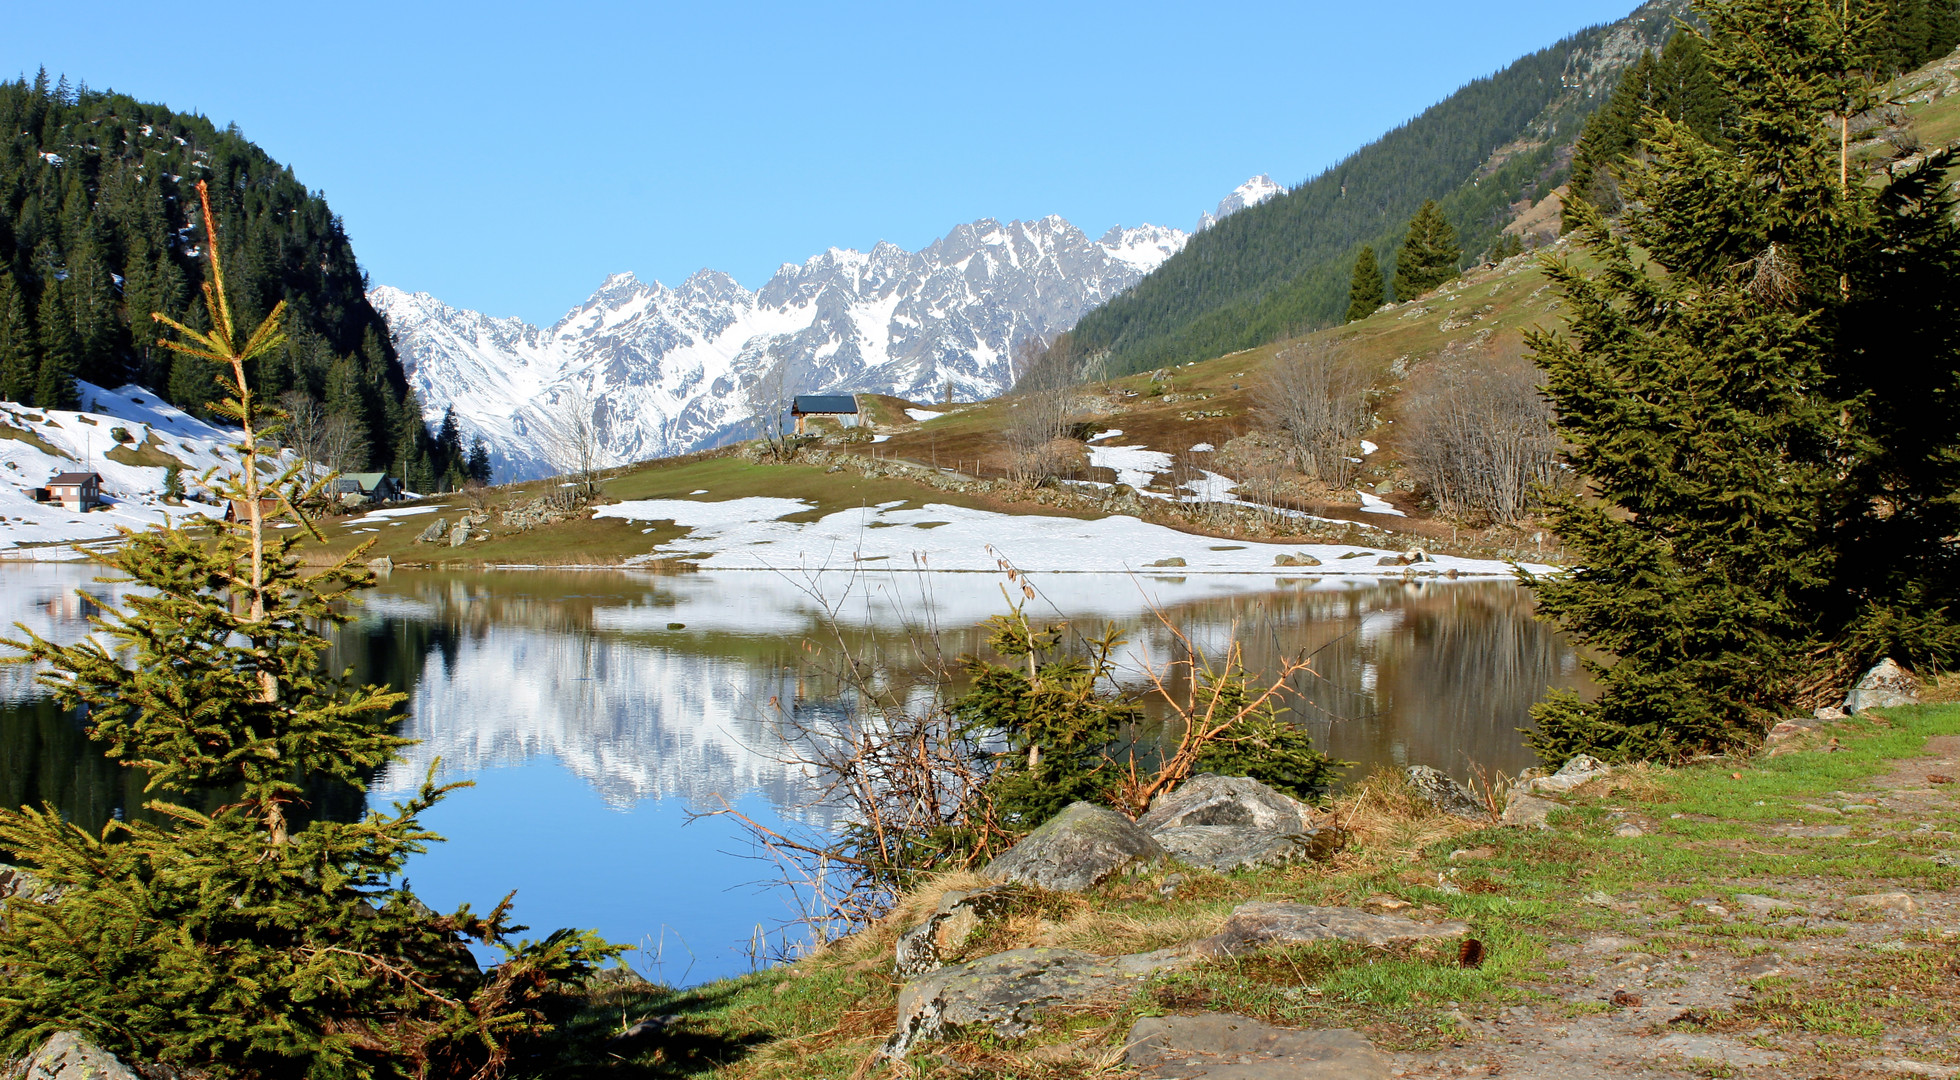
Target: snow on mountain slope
x: 665, y: 369
x: 35, y: 444
x: 1251, y: 193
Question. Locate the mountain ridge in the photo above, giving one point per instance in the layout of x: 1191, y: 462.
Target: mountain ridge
x: 665, y: 368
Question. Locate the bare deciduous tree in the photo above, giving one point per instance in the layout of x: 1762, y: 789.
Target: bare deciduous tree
x: 1479, y: 435
x: 768, y: 401
x: 1042, y: 411
x: 574, y: 441
x: 1318, y: 401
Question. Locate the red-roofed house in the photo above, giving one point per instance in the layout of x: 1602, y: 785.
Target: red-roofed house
x: 76, y: 490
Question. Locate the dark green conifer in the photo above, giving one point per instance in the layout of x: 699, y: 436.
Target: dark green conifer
x: 248, y: 941
x: 19, y: 361
x: 54, y: 378
x: 1770, y: 500
x: 479, y: 465
x: 1366, y: 291
x: 1429, y: 254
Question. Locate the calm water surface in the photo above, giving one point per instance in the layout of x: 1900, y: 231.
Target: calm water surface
x: 595, y: 710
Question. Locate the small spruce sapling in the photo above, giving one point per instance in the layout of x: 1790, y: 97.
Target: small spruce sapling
x: 249, y: 941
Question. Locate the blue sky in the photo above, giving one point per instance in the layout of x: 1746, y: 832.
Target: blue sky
x: 507, y: 157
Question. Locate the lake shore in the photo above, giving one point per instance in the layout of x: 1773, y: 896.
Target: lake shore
x: 1792, y: 914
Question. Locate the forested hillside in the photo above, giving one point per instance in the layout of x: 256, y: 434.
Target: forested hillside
x: 99, y: 227
x: 1285, y: 266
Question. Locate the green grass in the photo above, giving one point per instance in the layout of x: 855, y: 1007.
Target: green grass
x: 825, y: 1016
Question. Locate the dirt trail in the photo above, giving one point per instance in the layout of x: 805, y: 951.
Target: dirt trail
x: 1873, y: 966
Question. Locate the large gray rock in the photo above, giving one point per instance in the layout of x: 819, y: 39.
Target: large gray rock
x: 1885, y: 686
x: 929, y: 945
x: 1082, y: 846
x: 1582, y: 768
x: 1220, y: 1046
x: 1527, y: 811
x: 1224, y: 848
x: 1262, y: 925
x: 1206, y: 799
x: 69, y: 1055
x: 1445, y: 794
x: 459, y: 535
x: 433, y: 532
x: 1005, y: 991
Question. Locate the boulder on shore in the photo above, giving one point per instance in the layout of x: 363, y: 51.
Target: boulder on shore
x: 1003, y: 992
x: 1225, y: 848
x: 1581, y: 769
x: 1080, y: 847
x: 1885, y: 686
x: 1207, y: 799
x: 1445, y: 794
x: 433, y: 532
x: 929, y: 945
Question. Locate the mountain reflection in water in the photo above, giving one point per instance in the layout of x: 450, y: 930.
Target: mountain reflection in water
x: 593, y: 707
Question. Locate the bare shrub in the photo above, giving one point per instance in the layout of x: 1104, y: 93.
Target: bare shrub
x: 1318, y: 401
x: 768, y: 401
x: 574, y: 441
x: 925, y: 778
x: 1478, y: 435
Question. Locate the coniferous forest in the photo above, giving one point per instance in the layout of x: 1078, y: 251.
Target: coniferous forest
x: 99, y: 227
x: 1286, y: 265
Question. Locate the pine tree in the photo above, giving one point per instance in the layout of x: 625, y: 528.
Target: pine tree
x: 248, y: 941
x: 1365, y: 292
x: 19, y: 363
x: 54, y: 379
x: 1770, y: 504
x: 173, y: 482
x: 1429, y: 254
x: 479, y: 465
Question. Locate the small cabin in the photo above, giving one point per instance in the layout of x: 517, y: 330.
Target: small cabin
x: 241, y: 509
x: 76, y: 490
x: 844, y: 407
x: 367, y: 487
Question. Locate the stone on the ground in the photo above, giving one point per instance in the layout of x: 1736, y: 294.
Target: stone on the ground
x: 1301, y: 559
x: 1263, y: 924
x: 459, y: 535
x: 382, y: 565
x: 1764, y: 905
x: 1897, y: 903
x: 927, y: 946
x: 1885, y: 686
x: 1224, y: 848
x: 1220, y: 1046
x: 1005, y: 991
x: 1444, y: 793
x: 433, y: 533
x: 70, y: 1055
x: 1207, y: 799
x: 1524, y: 810
x: 1579, y: 770
x: 1082, y: 846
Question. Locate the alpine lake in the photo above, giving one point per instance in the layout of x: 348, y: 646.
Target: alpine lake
x: 600, y: 713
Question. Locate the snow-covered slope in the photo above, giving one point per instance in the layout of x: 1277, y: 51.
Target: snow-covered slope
x: 35, y: 444
x: 666, y: 368
x: 1251, y: 193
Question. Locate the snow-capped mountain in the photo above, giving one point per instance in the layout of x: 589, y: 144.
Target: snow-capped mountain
x: 665, y: 369
x: 1251, y: 193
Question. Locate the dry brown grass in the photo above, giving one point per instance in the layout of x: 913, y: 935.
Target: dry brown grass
x: 1388, y: 820
x: 1940, y: 689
